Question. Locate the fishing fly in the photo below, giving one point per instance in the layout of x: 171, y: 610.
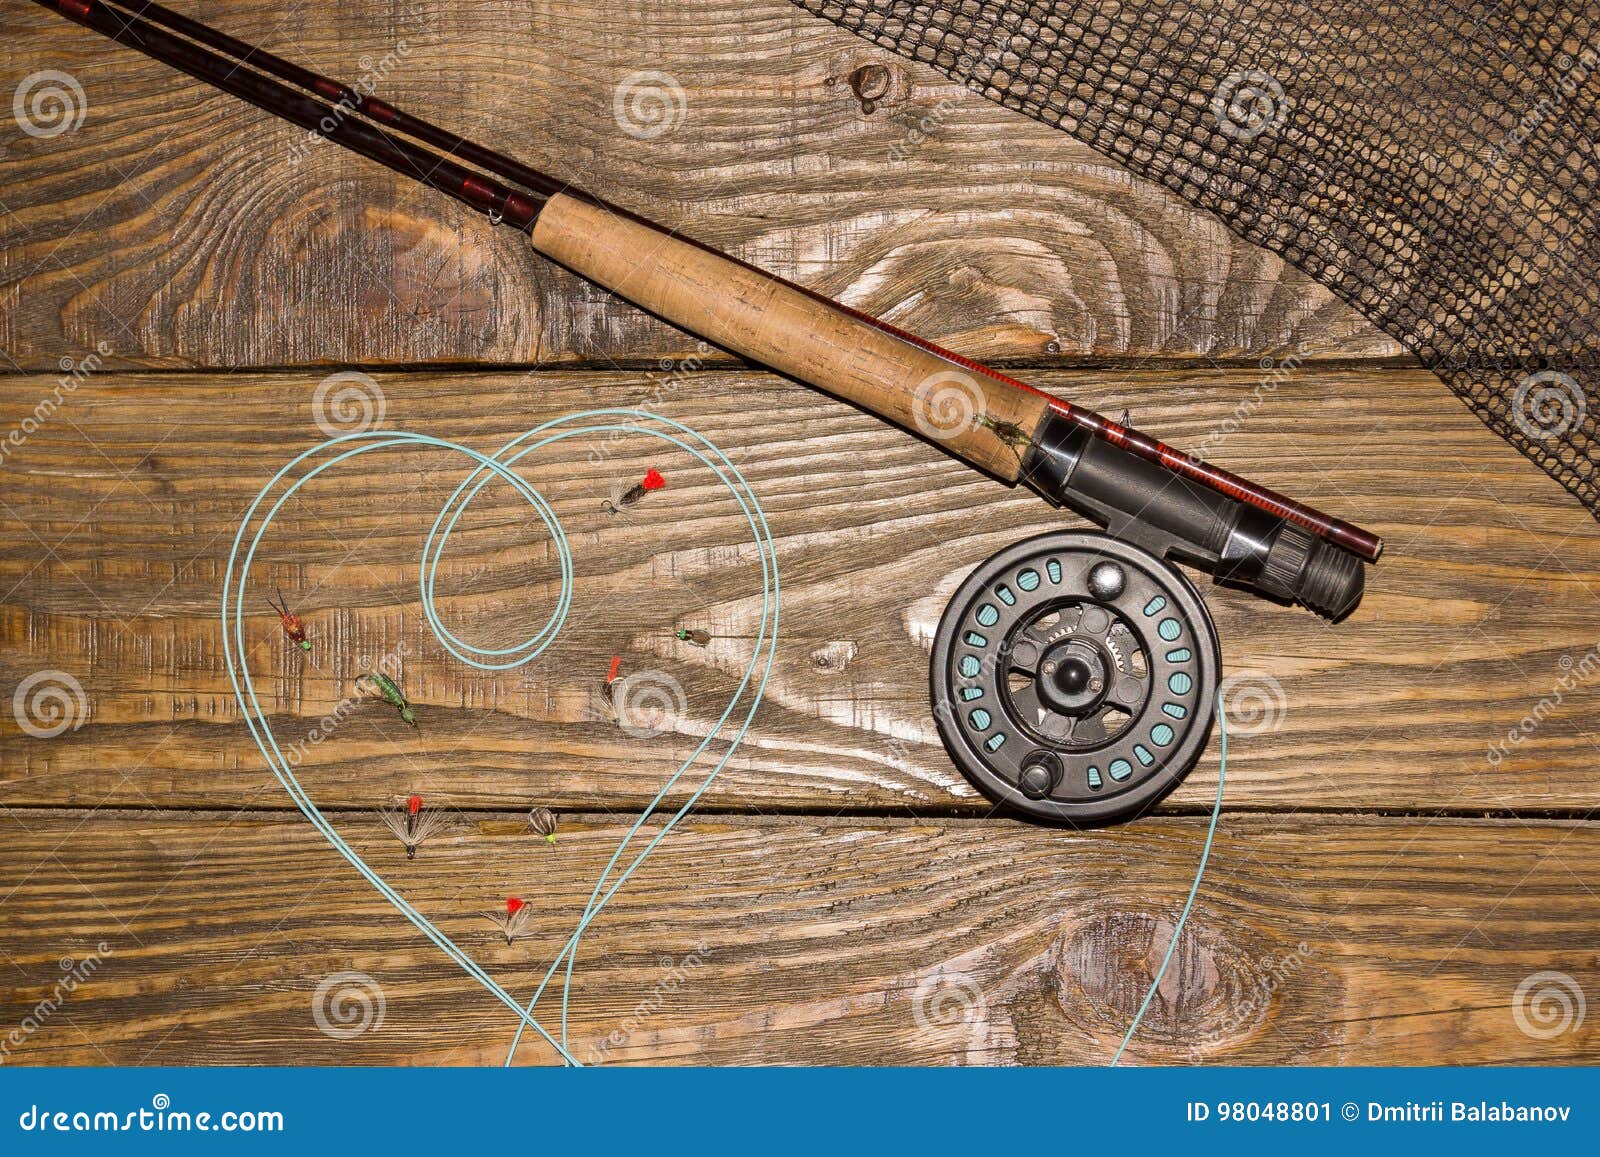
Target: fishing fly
x: 693, y: 635
x: 413, y: 824
x: 1013, y: 435
x: 513, y: 924
x: 391, y: 693
x: 620, y: 498
x: 543, y: 822
x: 292, y: 626
x: 604, y: 701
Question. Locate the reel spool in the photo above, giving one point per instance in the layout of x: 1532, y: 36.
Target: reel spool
x: 1073, y: 677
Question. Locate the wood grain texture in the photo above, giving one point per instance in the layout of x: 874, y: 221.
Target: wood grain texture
x: 118, y: 513
x: 1315, y: 940
x: 843, y: 896
x: 152, y: 228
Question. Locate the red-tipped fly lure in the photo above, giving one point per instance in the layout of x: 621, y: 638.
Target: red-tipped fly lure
x: 413, y: 824
x: 621, y: 499
x: 292, y: 626
x: 1138, y: 488
x: 516, y: 920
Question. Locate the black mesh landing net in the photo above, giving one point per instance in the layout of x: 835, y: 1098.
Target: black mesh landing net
x: 1434, y: 164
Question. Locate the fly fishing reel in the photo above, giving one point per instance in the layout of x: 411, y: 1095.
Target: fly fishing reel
x: 1073, y: 677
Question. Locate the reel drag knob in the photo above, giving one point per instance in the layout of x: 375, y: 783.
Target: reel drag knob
x: 1073, y: 676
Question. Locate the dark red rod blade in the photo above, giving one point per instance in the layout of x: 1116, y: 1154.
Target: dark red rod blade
x: 473, y: 188
x: 341, y: 94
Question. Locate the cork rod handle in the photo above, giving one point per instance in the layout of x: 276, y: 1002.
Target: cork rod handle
x: 975, y: 417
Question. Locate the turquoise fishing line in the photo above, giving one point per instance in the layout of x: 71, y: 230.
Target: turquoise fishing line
x: 487, y: 470
x: 1199, y: 874
x: 597, y: 902
x: 233, y: 640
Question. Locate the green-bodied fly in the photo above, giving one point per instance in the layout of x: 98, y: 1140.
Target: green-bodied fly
x: 1014, y: 436
x: 390, y: 690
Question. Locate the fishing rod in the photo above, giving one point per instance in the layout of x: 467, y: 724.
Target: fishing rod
x: 1074, y: 674
x: 1139, y: 488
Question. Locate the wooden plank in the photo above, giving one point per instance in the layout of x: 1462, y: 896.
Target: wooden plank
x: 186, y: 229
x: 1314, y: 940
x: 117, y: 516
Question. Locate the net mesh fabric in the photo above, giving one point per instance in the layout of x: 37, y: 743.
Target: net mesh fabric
x: 1433, y: 164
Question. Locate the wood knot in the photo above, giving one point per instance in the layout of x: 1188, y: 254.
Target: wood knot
x: 1219, y: 988
x: 834, y: 656
x: 870, y: 83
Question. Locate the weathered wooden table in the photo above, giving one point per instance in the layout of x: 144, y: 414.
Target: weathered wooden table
x: 1387, y: 886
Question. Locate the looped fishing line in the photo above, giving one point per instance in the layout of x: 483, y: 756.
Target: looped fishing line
x: 488, y: 469
x: 497, y: 466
